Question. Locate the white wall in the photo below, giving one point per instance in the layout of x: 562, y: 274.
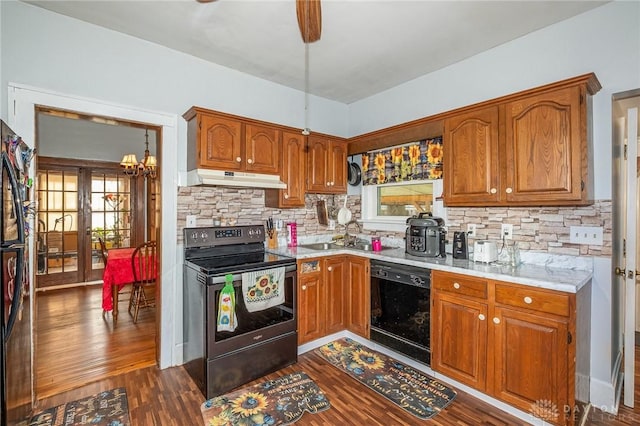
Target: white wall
x: 43, y: 49
x: 606, y: 41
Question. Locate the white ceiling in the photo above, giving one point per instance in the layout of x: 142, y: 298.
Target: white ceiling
x: 367, y: 46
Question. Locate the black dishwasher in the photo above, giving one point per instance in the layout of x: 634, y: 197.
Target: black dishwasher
x: 401, y: 308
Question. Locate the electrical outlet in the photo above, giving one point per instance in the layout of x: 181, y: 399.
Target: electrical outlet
x: 471, y: 230
x: 191, y: 221
x: 591, y: 235
x: 506, y: 231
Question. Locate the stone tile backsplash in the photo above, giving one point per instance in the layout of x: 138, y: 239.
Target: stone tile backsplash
x: 537, y: 229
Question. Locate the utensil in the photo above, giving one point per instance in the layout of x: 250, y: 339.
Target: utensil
x: 355, y: 174
x: 344, y: 214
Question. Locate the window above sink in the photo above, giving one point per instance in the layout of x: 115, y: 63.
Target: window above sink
x: 386, y: 207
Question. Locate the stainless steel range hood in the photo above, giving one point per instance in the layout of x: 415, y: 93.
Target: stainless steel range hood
x: 201, y: 177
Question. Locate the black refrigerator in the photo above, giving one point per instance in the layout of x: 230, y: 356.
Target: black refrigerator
x: 16, y: 384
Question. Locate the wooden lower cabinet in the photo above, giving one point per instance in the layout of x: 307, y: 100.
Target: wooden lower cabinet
x: 358, y: 295
x: 459, y: 339
x: 513, y: 342
x: 333, y: 295
x: 311, y: 300
x: 321, y: 291
x: 336, y: 286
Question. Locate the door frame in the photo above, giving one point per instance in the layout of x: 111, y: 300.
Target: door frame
x: 625, y: 242
x: 23, y: 101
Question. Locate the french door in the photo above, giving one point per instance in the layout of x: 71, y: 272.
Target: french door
x: 77, y: 205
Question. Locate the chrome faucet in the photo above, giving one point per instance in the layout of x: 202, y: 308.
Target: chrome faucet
x: 351, y: 239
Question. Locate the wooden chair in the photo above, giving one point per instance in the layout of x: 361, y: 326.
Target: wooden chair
x: 103, y: 251
x: 145, y: 273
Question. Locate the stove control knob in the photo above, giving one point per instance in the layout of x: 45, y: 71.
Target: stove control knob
x: 194, y: 236
x: 204, y: 235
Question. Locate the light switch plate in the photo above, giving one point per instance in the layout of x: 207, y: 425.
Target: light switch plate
x: 591, y: 235
x: 191, y: 221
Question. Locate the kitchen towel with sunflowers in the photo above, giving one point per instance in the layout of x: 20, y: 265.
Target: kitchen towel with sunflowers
x: 263, y: 289
x: 413, y: 161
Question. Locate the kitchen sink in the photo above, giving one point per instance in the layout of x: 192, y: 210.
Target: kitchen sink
x: 333, y: 246
x: 321, y: 246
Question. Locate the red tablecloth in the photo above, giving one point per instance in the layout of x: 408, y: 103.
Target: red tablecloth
x: 118, y: 272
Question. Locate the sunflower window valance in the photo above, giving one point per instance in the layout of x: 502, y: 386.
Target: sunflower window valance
x: 414, y: 161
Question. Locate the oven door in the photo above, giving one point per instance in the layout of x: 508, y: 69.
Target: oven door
x: 400, y: 311
x: 251, y: 327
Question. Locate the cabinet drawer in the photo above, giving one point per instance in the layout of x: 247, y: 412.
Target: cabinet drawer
x: 309, y: 266
x: 461, y: 284
x: 524, y: 297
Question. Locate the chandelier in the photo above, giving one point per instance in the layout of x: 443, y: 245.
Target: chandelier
x: 146, y: 167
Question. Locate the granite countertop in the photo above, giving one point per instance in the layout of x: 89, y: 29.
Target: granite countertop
x: 568, y: 280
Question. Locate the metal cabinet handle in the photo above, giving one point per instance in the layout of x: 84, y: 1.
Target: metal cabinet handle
x: 286, y: 196
x: 496, y: 320
x: 456, y: 286
x: 304, y: 287
x: 330, y: 268
x: 249, y: 160
x: 481, y: 317
x: 238, y: 159
x: 508, y: 190
x: 528, y: 300
x: 494, y: 190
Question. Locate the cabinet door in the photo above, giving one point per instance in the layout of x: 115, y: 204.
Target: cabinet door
x: 317, y: 164
x: 471, y: 163
x: 310, y: 308
x: 531, y: 366
x: 293, y: 170
x: 220, y: 143
x: 338, y: 166
x: 459, y: 339
x: 262, y: 149
x: 544, y: 147
x: 359, y: 299
x: 335, y: 294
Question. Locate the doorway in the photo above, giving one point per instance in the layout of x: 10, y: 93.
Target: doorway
x: 84, y: 196
x: 626, y: 234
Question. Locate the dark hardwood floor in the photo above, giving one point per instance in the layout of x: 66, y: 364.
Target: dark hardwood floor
x: 170, y: 397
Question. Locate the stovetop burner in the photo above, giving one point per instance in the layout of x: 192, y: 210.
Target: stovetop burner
x: 229, y: 249
x: 245, y: 262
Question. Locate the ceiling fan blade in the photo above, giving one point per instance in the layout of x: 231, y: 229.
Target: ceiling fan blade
x: 309, y: 19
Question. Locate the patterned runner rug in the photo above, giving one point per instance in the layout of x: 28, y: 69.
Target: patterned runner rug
x: 276, y: 402
x: 421, y: 395
x: 109, y: 408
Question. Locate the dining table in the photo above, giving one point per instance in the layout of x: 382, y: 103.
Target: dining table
x: 118, y: 272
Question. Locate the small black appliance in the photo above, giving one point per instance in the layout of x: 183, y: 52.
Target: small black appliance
x: 425, y: 236
x: 460, y: 246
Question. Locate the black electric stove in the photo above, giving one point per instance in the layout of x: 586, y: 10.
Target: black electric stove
x: 264, y: 341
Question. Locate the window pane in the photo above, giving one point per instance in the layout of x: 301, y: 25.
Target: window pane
x: 405, y: 200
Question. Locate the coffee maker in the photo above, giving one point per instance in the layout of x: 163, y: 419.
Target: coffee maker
x: 460, y: 245
x: 425, y: 236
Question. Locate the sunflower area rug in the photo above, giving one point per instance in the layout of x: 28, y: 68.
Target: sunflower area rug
x: 276, y: 402
x: 108, y: 408
x: 420, y: 395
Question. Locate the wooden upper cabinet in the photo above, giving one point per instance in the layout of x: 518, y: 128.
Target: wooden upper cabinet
x: 544, y: 147
x: 293, y: 173
x: 471, y: 167
x: 326, y: 165
x: 220, y: 143
x: 527, y: 149
x: 227, y: 142
x: 262, y: 149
